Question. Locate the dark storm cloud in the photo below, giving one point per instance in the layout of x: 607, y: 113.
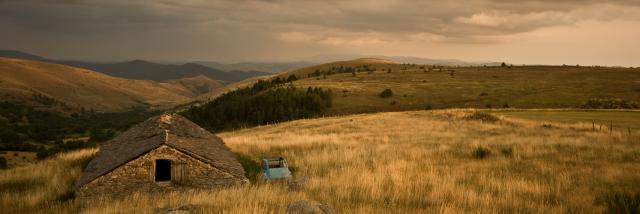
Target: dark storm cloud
x: 440, y: 17
x: 229, y: 25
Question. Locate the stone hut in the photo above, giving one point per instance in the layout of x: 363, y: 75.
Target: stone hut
x: 164, y: 153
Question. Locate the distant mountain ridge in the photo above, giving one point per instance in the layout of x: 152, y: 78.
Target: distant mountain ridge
x: 401, y: 59
x: 144, y: 70
x: 269, y: 67
x: 280, y: 67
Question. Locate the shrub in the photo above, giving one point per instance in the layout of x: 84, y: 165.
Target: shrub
x: 506, y: 105
x: 386, y: 93
x: 428, y: 107
x: 482, y: 116
x: 483, y: 94
x: 507, y: 151
x: 480, y: 153
x: 621, y: 202
x: 292, y: 78
x: 610, y: 103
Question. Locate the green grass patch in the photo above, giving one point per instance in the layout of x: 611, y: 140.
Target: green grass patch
x: 251, y: 167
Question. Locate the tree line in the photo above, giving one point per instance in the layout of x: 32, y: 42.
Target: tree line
x: 25, y: 128
x: 265, y: 102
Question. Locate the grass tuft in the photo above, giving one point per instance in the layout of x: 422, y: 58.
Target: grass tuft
x: 386, y: 93
x: 480, y: 153
x: 507, y: 151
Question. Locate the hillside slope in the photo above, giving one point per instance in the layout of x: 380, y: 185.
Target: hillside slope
x: 403, y: 162
x: 22, y: 80
x: 193, y: 86
x: 357, y: 85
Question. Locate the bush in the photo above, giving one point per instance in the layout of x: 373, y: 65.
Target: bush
x: 480, y: 153
x: 386, y: 93
x: 507, y: 151
x: 482, y: 116
x: 483, y: 94
x: 621, y: 202
x: 610, y: 103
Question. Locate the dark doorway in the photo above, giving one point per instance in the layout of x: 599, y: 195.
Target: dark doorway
x: 163, y: 170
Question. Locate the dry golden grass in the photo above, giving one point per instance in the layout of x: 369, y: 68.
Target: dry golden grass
x: 422, y: 161
x: 402, y: 162
x: 43, y: 187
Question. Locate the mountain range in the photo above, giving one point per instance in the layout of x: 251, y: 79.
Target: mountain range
x: 269, y: 67
x: 144, y: 70
x: 49, y: 86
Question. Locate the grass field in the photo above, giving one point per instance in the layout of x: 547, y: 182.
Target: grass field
x: 418, y: 87
x: 621, y: 120
x: 441, y: 161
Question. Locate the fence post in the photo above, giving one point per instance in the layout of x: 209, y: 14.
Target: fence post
x: 610, y: 128
x: 593, y: 126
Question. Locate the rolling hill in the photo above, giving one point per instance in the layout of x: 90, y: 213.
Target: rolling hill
x: 144, y: 70
x: 357, y: 85
x: 32, y: 81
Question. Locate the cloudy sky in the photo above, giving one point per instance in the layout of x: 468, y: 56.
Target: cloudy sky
x: 583, y: 32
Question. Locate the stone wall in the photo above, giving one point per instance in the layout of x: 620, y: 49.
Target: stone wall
x: 138, y: 175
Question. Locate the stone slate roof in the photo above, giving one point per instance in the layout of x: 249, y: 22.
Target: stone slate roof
x: 171, y: 130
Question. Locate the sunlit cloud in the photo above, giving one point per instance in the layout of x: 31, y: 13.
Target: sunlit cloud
x: 280, y: 29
